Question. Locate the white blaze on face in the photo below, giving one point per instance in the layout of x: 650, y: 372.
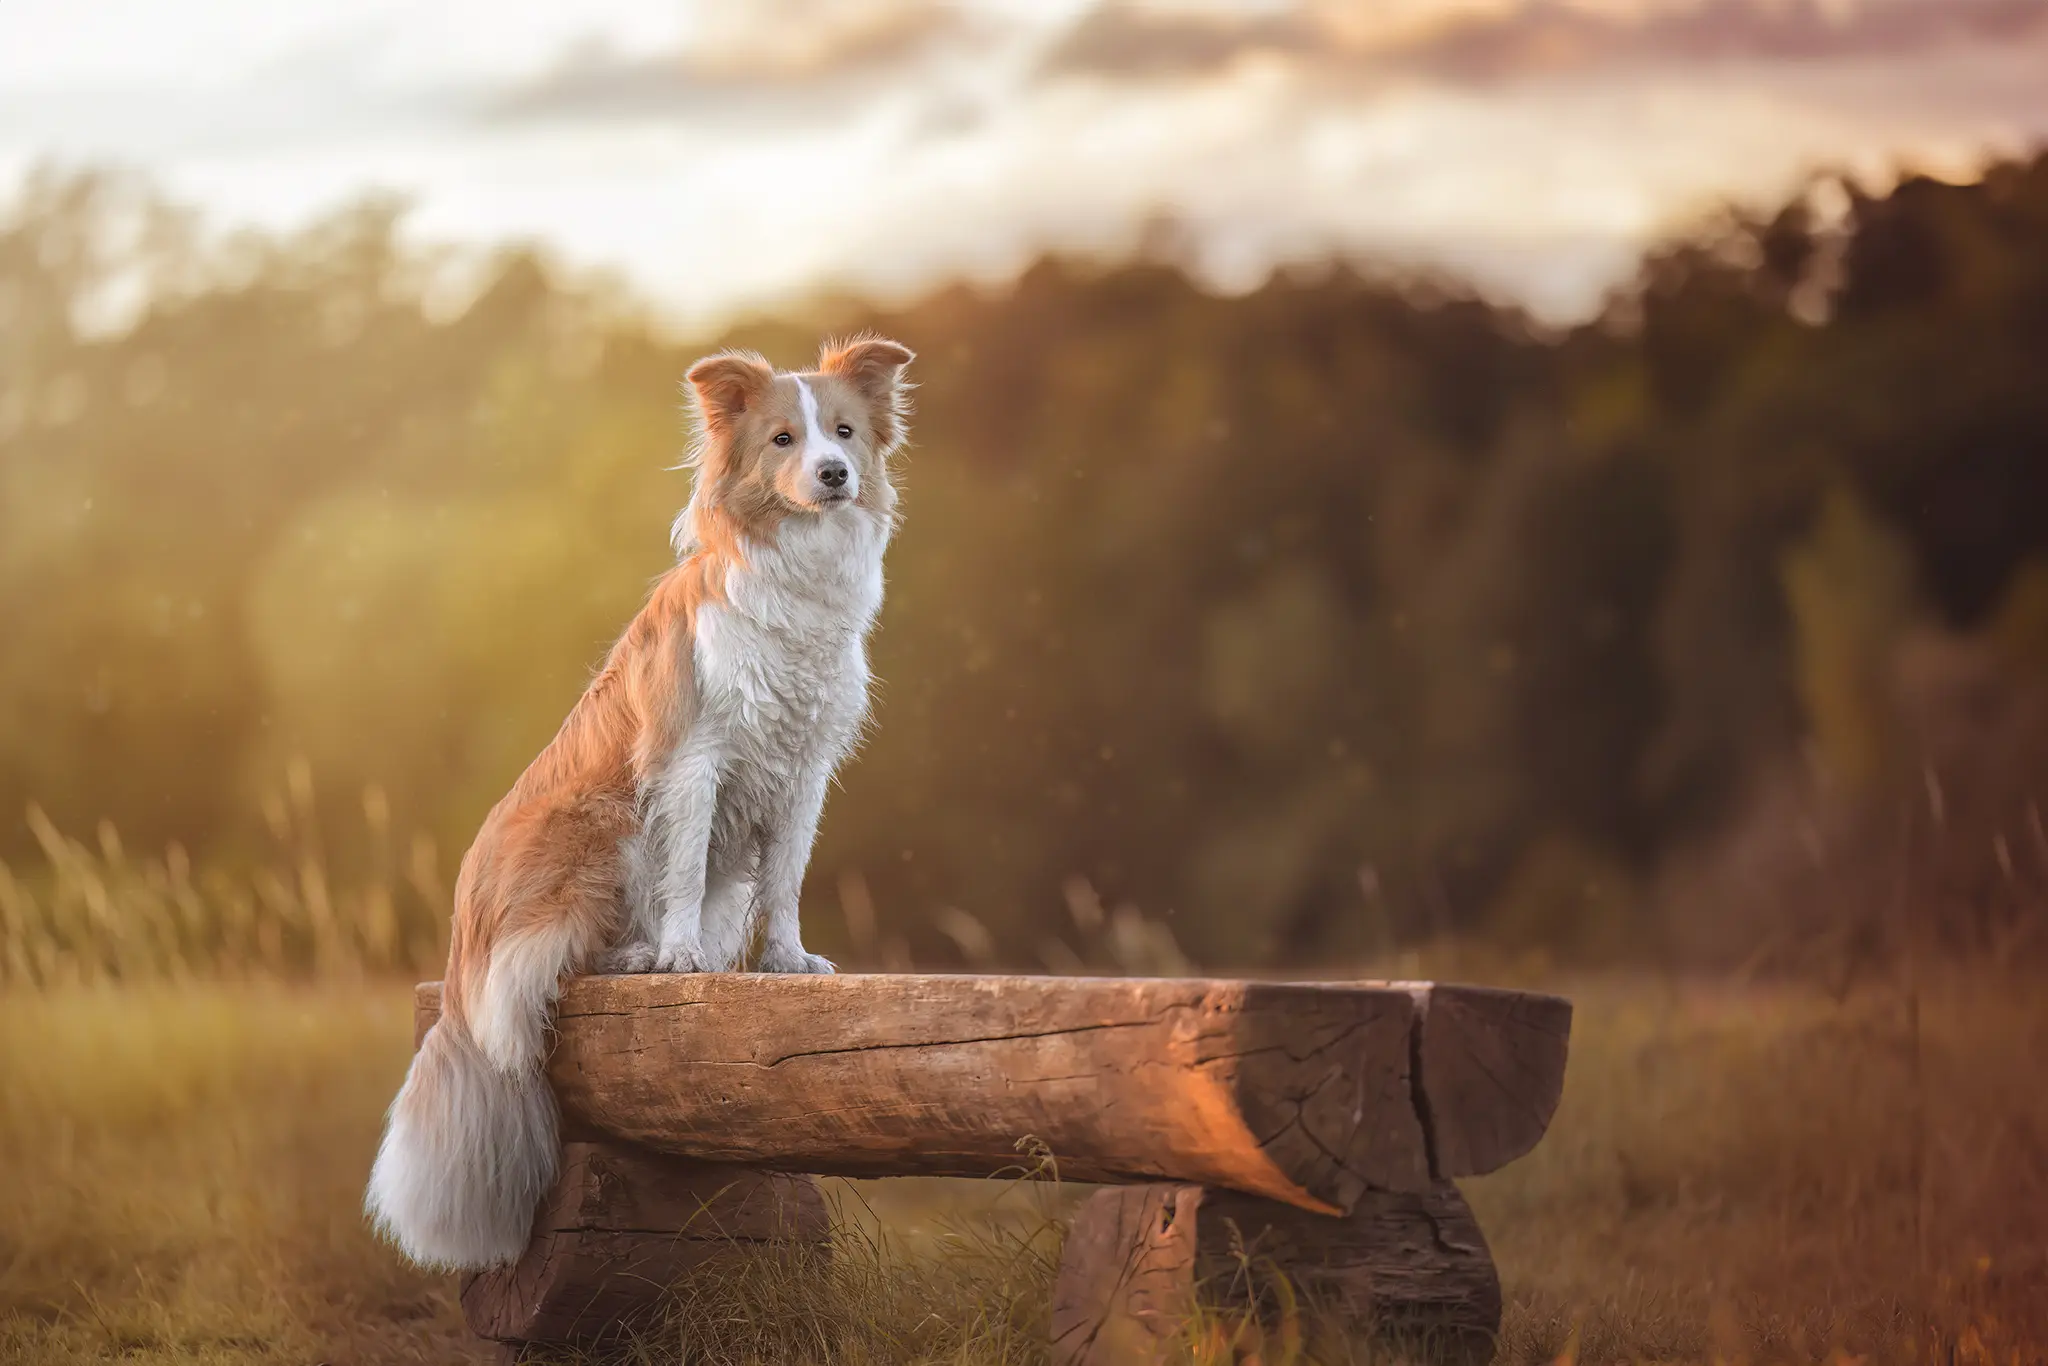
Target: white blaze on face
x: 819, y: 448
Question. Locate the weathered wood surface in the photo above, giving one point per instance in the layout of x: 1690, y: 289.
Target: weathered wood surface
x: 1310, y: 1094
x: 1492, y: 1069
x: 1126, y: 1285
x: 1139, y: 1260
x: 620, y: 1228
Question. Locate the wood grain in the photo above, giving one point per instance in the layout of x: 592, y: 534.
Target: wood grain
x: 1402, y: 1265
x: 1298, y: 1093
x: 620, y: 1227
x: 1127, y: 1276
x: 1491, y: 1067
x: 1310, y: 1094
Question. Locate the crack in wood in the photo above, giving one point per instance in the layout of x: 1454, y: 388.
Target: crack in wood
x: 908, y: 1045
x: 1418, y: 1091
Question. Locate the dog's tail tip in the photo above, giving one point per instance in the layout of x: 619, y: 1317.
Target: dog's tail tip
x: 469, y: 1150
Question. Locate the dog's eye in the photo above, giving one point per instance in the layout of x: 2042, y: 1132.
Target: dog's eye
x: 782, y: 438
x: 844, y: 430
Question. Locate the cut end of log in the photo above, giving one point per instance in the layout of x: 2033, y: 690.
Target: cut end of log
x: 1490, y: 1071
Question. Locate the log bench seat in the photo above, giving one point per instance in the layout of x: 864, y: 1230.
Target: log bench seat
x: 1320, y: 1123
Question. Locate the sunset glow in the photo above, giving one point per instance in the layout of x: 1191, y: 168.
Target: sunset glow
x: 727, y: 156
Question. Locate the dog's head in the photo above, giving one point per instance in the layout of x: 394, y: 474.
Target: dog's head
x: 815, y: 443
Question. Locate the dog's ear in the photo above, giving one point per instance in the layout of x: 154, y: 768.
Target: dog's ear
x: 727, y: 384
x: 874, y: 367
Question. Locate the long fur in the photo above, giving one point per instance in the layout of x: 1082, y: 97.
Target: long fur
x: 668, y: 824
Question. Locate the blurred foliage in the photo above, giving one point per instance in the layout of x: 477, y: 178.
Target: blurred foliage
x: 1849, y: 585
x: 1347, y: 612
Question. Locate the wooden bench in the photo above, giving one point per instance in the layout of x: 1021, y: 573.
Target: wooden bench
x: 1321, y: 1124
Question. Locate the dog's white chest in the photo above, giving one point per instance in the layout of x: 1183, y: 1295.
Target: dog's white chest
x: 771, y: 697
x: 782, y: 663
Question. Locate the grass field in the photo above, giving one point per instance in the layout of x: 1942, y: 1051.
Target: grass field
x: 1745, y: 1175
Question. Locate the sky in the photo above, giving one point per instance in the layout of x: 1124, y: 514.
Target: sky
x: 729, y: 155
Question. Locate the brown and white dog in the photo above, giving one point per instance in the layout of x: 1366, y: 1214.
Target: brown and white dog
x: 668, y: 824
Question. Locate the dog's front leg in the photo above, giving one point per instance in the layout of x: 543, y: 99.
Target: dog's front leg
x: 785, y: 854
x: 679, y: 831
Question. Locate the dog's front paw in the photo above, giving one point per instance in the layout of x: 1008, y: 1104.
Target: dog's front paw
x: 792, y: 958
x: 680, y: 956
x: 625, y: 959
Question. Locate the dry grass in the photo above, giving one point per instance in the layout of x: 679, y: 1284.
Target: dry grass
x: 1735, y: 1175
x: 184, y: 1170
x: 1769, y: 1175
x: 94, y: 911
x: 192, y: 1071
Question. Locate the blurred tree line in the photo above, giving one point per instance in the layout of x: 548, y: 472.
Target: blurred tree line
x: 1347, y: 612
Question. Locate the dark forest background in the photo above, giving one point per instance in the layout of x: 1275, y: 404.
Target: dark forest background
x: 1295, y: 626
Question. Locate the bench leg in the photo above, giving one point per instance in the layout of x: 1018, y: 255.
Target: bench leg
x: 1140, y: 1261
x: 621, y: 1227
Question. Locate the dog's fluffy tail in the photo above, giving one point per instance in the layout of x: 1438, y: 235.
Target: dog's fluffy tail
x: 470, y: 1144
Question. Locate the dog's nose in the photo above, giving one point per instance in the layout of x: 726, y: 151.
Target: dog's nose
x: 832, y: 474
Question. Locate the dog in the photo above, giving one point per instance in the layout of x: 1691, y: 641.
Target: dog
x: 668, y: 824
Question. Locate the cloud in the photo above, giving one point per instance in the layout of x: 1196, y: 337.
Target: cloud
x: 793, y: 61
x: 764, y: 55
x: 889, y: 145
x: 1535, y: 37
x: 1116, y: 39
